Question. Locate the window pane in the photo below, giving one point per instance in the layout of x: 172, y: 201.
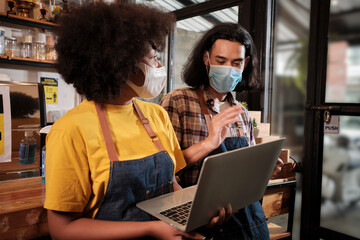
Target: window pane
x: 290, y: 73
x: 170, y: 5
x: 343, y: 68
x: 188, y: 31
x: 340, y: 208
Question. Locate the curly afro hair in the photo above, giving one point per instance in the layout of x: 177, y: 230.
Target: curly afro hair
x: 194, y: 72
x: 99, y: 44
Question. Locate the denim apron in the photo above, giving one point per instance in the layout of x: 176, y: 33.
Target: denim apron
x: 133, y: 181
x: 250, y: 221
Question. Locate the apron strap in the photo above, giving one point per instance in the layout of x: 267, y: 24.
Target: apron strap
x: 204, y: 108
x: 106, y: 133
x: 146, y: 123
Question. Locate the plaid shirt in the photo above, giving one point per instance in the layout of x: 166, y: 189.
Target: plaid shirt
x: 189, y: 124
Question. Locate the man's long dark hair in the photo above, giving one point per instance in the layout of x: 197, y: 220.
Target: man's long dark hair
x: 194, y: 72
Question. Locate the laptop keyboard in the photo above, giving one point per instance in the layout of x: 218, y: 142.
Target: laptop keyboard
x: 179, y: 213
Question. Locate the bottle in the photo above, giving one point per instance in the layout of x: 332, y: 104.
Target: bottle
x: 10, y: 47
x: 27, y: 148
x: 2, y: 41
x: 43, y: 152
x: 50, y: 53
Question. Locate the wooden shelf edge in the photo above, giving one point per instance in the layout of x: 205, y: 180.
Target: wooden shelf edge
x: 277, y: 232
x: 281, y: 180
x: 30, y: 20
x: 27, y: 62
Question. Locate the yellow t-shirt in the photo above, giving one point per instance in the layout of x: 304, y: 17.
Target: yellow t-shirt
x: 77, y: 163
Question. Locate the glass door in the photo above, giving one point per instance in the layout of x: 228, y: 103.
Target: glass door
x: 331, y: 183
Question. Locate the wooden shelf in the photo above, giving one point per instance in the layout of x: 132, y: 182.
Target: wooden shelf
x: 15, y: 170
x: 27, y: 61
x: 277, y: 232
x: 27, y: 21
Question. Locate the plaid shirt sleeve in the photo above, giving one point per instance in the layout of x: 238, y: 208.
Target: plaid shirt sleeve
x: 170, y: 106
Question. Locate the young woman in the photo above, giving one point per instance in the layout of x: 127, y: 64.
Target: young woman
x: 112, y: 150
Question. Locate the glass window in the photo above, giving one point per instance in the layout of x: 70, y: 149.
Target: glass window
x: 290, y: 73
x: 343, y: 68
x: 341, y: 178
x: 187, y: 32
x: 170, y: 5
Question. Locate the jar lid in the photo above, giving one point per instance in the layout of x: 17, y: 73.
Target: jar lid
x: 28, y: 134
x: 11, y: 38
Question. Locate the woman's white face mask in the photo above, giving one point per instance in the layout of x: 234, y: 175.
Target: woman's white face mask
x: 155, y: 79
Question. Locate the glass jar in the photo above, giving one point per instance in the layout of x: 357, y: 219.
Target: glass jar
x: 10, y: 46
x: 50, y: 39
x: 50, y: 53
x: 27, y: 50
x: 18, y: 34
x: 27, y: 36
x: 39, y: 50
x: 2, y: 41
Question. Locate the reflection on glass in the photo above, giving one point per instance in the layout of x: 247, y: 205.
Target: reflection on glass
x: 340, y: 209
x: 170, y: 5
x: 343, y: 68
x: 187, y: 33
x: 24, y: 118
x: 189, y: 30
x: 289, y: 74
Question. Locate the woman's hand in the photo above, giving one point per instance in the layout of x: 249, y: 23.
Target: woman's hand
x: 164, y: 231
x: 220, y: 123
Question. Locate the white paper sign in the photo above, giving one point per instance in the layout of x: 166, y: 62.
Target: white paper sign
x: 334, y: 126
x: 5, y: 125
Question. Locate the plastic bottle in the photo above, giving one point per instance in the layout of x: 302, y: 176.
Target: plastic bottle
x: 27, y: 148
x: 43, y: 152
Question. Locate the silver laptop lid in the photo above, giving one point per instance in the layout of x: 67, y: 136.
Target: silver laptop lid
x: 238, y: 177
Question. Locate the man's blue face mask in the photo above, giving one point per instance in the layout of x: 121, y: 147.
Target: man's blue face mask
x: 224, y: 78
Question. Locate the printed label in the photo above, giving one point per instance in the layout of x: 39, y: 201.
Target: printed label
x: 333, y: 126
x: 50, y: 90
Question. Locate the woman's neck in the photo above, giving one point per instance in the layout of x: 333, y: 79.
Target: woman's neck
x: 125, y: 98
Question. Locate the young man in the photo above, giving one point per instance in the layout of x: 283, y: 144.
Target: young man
x: 208, y: 120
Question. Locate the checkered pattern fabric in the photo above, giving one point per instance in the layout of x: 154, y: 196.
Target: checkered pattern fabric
x: 189, y: 124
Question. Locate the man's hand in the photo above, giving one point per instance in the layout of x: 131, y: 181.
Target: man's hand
x: 220, y: 123
x: 278, y: 167
x: 224, y: 215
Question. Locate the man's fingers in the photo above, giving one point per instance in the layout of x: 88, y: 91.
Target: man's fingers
x: 193, y: 235
x: 221, y: 216
x: 213, y: 222
x: 228, y: 212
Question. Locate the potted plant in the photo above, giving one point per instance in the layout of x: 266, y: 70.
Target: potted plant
x: 255, y: 128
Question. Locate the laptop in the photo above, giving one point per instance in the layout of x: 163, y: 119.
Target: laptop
x: 238, y: 177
